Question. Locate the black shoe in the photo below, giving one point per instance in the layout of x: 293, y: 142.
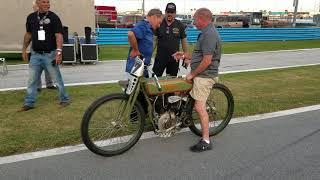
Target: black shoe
x: 51, y: 87
x: 201, y: 146
x: 39, y: 89
x: 25, y: 108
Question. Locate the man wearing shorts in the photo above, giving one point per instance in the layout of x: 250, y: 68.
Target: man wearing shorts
x: 205, y: 61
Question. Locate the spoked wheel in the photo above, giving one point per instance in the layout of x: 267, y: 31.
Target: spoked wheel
x: 108, y: 128
x: 220, y: 105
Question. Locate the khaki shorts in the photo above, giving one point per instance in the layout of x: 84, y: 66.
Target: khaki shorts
x: 201, y: 88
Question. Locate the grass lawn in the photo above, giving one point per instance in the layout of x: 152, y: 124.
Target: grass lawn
x: 120, y: 52
x: 48, y: 125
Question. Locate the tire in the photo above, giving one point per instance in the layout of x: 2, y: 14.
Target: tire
x: 104, y: 115
x: 220, y: 106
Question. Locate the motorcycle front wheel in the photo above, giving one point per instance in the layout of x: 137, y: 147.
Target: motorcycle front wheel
x: 107, y: 128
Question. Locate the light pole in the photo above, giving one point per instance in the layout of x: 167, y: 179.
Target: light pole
x: 142, y: 7
x: 295, y: 4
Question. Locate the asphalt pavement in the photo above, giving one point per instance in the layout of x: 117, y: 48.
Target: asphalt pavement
x: 285, y: 147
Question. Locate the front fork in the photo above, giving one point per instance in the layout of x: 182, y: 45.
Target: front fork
x: 126, y: 112
x: 133, y: 97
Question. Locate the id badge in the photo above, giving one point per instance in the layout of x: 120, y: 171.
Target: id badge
x: 41, y: 35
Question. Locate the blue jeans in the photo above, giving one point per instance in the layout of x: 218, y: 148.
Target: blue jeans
x: 48, y: 79
x: 38, y: 63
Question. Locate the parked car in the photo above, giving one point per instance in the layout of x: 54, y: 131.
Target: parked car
x: 188, y: 23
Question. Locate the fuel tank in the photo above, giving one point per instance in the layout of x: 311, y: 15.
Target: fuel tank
x: 168, y: 85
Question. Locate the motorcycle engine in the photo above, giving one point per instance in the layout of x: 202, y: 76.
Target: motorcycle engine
x: 166, y: 112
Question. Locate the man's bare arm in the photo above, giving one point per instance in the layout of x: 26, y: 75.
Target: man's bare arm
x: 134, y: 44
x: 26, y: 41
x: 133, y: 41
x: 59, y: 40
x: 184, y: 45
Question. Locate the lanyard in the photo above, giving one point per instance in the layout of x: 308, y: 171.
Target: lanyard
x: 42, y: 19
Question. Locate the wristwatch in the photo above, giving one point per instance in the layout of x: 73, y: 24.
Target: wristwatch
x: 59, y: 51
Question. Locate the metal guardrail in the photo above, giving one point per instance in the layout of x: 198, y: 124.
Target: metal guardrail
x: 114, y: 36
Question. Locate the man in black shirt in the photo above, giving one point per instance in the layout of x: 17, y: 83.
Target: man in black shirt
x: 168, y: 38
x: 44, y: 29
x: 49, y: 81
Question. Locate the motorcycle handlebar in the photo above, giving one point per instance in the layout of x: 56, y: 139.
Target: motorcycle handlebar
x: 154, y: 76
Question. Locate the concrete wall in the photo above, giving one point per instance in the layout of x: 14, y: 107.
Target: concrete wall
x: 76, y: 14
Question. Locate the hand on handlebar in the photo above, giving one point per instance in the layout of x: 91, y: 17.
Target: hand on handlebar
x: 135, y: 53
x: 184, y: 56
x: 181, y: 55
x: 178, y: 55
x: 189, y: 77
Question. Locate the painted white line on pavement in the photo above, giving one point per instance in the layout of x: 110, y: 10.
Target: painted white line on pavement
x: 259, y: 52
x: 71, y: 84
x: 272, y: 68
x: 115, y: 81
x: 147, y: 135
x: 274, y: 114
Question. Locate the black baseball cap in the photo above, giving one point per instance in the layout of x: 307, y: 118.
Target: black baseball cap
x: 171, y: 7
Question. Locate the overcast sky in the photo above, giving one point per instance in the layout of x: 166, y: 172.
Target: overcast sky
x: 184, y: 6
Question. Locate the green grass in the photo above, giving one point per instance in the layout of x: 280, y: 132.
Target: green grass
x: 49, y: 126
x: 244, y: 47
x: 274, y: 90
x: 12, y: 58
x: 120, y: 52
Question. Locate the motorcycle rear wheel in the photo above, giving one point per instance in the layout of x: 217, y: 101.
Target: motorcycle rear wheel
x: 220, y: 107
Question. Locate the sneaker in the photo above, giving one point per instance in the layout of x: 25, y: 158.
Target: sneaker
x: 51, y: 87
x: 64, y: 104
x: 25, y: 108
x: 201, y: 146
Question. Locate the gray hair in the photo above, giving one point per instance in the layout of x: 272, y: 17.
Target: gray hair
x: 204, y: 13
x: 155, y: 12
x: 35, y: 5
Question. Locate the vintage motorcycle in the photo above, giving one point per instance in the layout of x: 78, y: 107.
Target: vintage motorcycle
x: 115, y: 122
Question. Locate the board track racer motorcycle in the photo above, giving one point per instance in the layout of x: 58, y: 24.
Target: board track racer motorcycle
x: 114, y: 123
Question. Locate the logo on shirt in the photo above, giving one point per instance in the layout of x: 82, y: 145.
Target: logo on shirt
x: 46, y: 21
x: 175, y: 31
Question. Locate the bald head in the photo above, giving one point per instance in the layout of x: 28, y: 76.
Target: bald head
x: 204, y: 14
x: 202, y: 18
